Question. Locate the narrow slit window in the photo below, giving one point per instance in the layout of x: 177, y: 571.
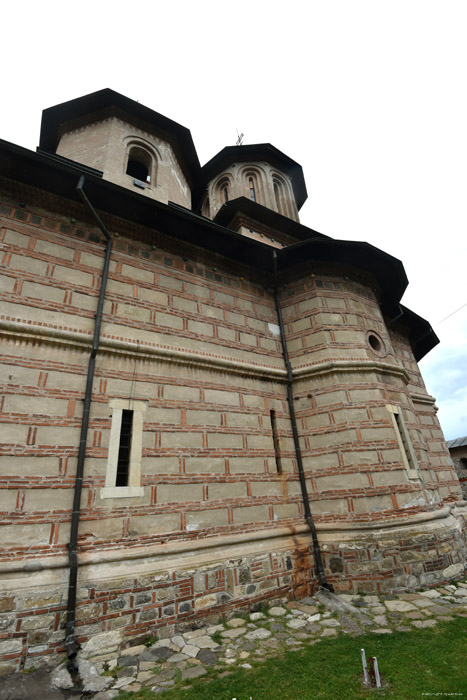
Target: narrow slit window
x: 225, y: 193
x: 405, y: 443
x: 275, y: 438
x: 124, y: 448
x: 123, y: 474
x: 252, y: 189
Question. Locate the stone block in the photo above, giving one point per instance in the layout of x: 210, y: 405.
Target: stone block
x: 221, y: 397
x: 179, y: 493
x: 170, y: 283
x: 204, y: 465
x: 11, y: 646
x: 200, y: 328
x: 37, y: 622
x: 180, y: 393
x: 265, y: 488
x: 7, y: 604
x: 105, y: 643
x: 169, y: 320
x: 225, y: 440
x: 23, y: 535
x: 148, y: 524
x: 286, y: 510
x: 227, y: 334
x: 204, y: 602
x: 260, y: 442
x: 185, y: 304
x: 241, y: 420
x: 206, y: 519
x: 15, y: 238
x: 203, y: 417
x: 453, y: 570
x: 153, y: 296
x: 212, y: 312
x: 359, y: 457
x: 372, y: 504
x: 339, y: 482
x: 181, y: 439
x: 28, y: 264
x: 161, y: 465
x: 197, y: 290
x: 226, y: 490
x: 246, y: 465
x: 251, y: 514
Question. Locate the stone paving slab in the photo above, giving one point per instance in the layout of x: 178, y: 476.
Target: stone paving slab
x: 285, y: 626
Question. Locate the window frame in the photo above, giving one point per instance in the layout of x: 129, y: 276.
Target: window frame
x: 406, y: 449
x: 134, y: 488
x: 151, y: 179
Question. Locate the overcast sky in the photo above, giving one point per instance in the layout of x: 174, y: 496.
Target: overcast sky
x: 369, y: 96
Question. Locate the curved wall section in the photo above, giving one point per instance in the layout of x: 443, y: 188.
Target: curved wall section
x: 371, y: 444
x: 261, y: 183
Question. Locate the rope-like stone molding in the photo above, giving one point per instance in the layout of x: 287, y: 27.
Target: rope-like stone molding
x: 191, y: 546
x: 423, y: 398
x: 76, y: 340
x: 305, y: 372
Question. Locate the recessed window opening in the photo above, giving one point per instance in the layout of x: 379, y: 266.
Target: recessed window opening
x: 225, y: 192
x: 405, y: 440
x: 275, y: 437
x: 251, y: 185
x: 279, y: 196
x: 463, y: 462
x: 124, y: 448
x: 139, y: 164
x: 206, y: 207
x: 405, y: 443
x: 375, y: 342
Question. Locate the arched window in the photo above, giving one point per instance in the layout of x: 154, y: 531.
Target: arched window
x: 251, y: 185
x: 140, y: 164
x: 206, y: 209
x: 279, y: 196
x: 224, y: 190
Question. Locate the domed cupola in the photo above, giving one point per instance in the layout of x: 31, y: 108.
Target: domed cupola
x: 259, y: 172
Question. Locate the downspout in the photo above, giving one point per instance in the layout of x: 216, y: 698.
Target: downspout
x: 70, y: 642
x: 298, y: 453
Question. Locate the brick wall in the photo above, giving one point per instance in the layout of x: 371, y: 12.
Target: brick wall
x: 195, y: 339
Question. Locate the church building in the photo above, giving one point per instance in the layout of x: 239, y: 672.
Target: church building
x: 206, y: 405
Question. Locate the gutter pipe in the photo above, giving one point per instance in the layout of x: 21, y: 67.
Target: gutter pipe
x: 70, y: 642
x: 298, y: 453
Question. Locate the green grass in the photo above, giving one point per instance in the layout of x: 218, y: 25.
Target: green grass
x: 411, y: 663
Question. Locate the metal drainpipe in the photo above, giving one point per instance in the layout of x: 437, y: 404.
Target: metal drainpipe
x: 70, y: 642
x: 298, y: 453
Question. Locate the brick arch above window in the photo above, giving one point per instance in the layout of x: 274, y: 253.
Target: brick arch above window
x: 283, y: 197
x: 223, y: 190
x: 252, y: 179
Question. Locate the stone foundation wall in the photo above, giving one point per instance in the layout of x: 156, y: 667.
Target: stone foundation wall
x: 130, y: 609
x: 117, y: 611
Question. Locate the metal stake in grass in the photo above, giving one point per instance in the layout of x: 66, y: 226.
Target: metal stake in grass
x: 366, y: 676
x: 375, y: 671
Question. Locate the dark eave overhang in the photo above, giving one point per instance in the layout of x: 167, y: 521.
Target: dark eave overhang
x: 421, y: 335
x: 389, y: 271
x: 59, y: 176
x: 84, y: 110
x: 256, y: 153
x: 242, y: 206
